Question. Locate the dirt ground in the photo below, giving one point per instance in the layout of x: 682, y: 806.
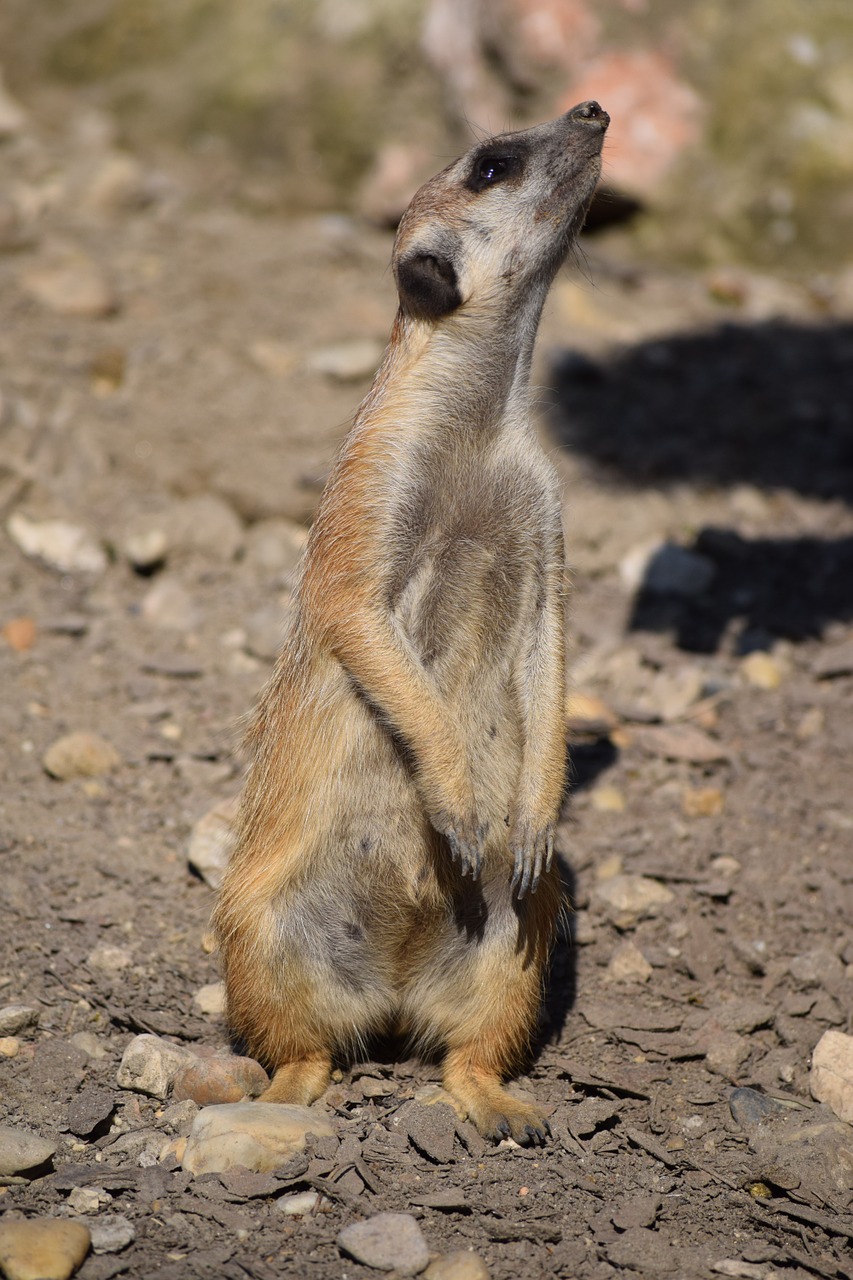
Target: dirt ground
x: 710, y: 413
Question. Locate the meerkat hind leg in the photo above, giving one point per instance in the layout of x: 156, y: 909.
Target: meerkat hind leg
x: 472, y: 1076
x: 300, y: 1082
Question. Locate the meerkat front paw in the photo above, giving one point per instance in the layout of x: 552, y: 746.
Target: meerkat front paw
x: 466, y: 837
x: 533, y: 853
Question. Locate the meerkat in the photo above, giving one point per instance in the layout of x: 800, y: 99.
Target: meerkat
x: 394, y: 861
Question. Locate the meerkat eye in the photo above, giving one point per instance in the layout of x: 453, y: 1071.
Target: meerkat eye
x: 490, y: 170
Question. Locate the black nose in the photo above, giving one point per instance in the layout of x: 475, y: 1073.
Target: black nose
x: 591, y: 112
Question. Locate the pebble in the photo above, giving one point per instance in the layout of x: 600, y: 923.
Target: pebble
x: 20, y: 634
x: 679, y: 742
x: 42, y: 1248
x: 73, y: 285
x: 606, y: 799
x: 90, y: 1044
x: 265, y: 628
x: 638, y: 1211
x: 210, y: 1000
x: 211, y: 842
x: 146, y: 550
x: 585, y: 713
x: 225, y: 1077
x: 275, y: 358
x: 15, y: 1018
x: 88, y: 1199
x: 347, y: 361
x: 460, y: 1265
x: 831, y: 1076
x: 149, y: 1065
x: 111, y: 1233
x: 629, y: 898
x: 275, y: 545
x: 21, y: 1151
x: 628, y: 964
x: 10, y: 1046
x: 168, y: 604
x: 12, y: 115
x: 57, y: 543
x: 117, y: 185
x: 110, y: 959
x: 301, y: 1203
x: 80, y: 755
x: 387, y: 1242
x: 257, y: 1135
x: 90, y: 1110
x: 834, y: 660
x: 761, y: 670
x: 666, y: 569
x: 702, y: 802
x: 204, y: 523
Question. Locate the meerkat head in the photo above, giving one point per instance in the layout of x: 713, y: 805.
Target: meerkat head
x: 498, y: 222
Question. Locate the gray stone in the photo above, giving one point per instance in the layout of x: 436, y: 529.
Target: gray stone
x: 626, y: 899
x: 387, y: 1242
x: 211, y: 842
x: 111, y: 1233
x: 15, y: 1018
x: 149, y: 1065
x: 347, y: 361
x: 666, y: 569
x: 169, y: 605
x: 21, y: 1151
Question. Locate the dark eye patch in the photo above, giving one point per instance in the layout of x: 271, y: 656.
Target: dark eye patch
x: 493, y: 167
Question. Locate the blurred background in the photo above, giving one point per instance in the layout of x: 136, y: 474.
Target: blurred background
x: 732, y: 126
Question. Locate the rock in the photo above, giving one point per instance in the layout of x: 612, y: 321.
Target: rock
x: 60, y: 545
x: 111, y: 1233
x: 265, y: 629
x: 586, y: 713
x: 749, y: 1107
x: 21, y: 1152
x: 626, y: 899
x: 725, y: 1051
x: 347, y: 361
x: 460, y: 1265
x: 146, y: 550
x: 761, y: 670
x: 275, y: 545
x: 301, y: 1203
x: 80, y: 755
x: 655, y: 114
x: 834, y: 660
x: 20, y: 634
x: 169, y: 605
x: 72, y: 285
x: 831, y: 1076
x: 819, y: 967
x: 257, y: 1135
x: 225, y: 1077
x: 430, y: 1126
x: 275, y: 358
x: 606, y: 799
x: 10, y: 1046
x: 149, y: 1065
x: 117, y: 186
x: 679, y: 742
x: 212, y: 840
x: 89, y: 1043
x: 110, y: 959
x: 638, y: 1211
x: 89, y: 1111
x: 666, y: 569
x: 15, y: 1018
x: 88, y: 1199
x: 12, y: 115
x: 648, y: 1253
x: 628, y: 964
x: 210, y: 1000
x: 204, y: 523
x: 42, y: 1248
x: 387, y: 1242
x: 702, y: 802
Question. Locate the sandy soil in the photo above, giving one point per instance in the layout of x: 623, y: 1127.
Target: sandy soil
x: 712, y: 414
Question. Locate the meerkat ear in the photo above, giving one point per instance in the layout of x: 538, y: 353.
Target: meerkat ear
x: 428, y: 284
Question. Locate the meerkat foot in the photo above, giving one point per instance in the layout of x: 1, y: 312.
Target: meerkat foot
x: 494, y: 1112
x: 300, y: 1082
